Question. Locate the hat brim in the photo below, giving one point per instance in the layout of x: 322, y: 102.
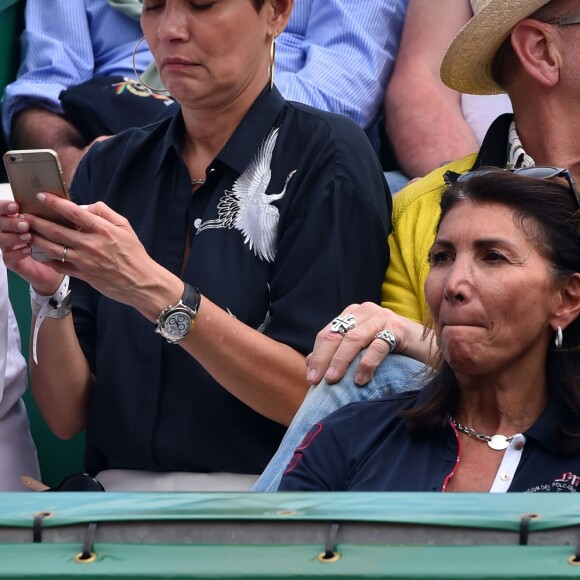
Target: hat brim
x: 466, y: 66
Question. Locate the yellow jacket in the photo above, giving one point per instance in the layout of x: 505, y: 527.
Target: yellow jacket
x: 415, y: 215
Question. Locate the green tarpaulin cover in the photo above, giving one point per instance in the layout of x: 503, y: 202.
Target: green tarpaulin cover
x: 244, y: 535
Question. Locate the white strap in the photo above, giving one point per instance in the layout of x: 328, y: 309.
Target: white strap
x: 41, y: 306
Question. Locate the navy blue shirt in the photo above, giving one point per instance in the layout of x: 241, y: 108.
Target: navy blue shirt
x: 287, y: 273
x: 368, y: 447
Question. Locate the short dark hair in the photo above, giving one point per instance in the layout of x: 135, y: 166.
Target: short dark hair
x: 258, y: 4
x: 505, y: 64
x: 548, y: 212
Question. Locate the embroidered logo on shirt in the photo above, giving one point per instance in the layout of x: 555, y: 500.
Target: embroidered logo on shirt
x: 139, y: 90
x: 567, y: 482
x: 248, y: 209
x: 304, y: 444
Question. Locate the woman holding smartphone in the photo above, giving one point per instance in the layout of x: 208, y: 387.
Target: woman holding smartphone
x: 208, y: 251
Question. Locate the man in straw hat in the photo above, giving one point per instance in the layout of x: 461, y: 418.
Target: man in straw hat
x: 530, y: 50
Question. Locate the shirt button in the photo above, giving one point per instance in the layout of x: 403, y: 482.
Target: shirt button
x: 519, y: 445
x: 505, y: 476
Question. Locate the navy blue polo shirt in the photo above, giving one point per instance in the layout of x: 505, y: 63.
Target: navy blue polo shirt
x: 368, y: 447
x: 316, y: 242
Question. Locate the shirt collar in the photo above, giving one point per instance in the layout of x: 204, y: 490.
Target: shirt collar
x: 516, y: 156
x: 246, y: 139
x: 172, y: 139
x: 543, y: 429
x: 493, y: 150
x: 250, y: 133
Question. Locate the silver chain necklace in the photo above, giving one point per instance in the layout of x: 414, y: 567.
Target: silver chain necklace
x: 195, y: 182
x: 495, y: 442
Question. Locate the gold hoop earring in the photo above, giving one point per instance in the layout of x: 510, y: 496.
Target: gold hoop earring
x: 139, y: 79
x: 272, y: 61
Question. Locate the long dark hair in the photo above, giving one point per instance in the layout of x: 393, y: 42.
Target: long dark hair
x: 548, y: 212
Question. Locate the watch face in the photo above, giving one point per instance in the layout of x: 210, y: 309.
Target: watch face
x: 178, y: 323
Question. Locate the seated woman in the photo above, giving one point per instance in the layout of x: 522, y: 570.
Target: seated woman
x: 503, y: 412
x: 253, y: 217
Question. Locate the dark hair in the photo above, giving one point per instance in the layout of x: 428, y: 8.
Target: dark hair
x: 547, y: 211
x: 505, y: 65
x: 258, y: 4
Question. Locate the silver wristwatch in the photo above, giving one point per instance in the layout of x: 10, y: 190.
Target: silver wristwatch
x: 60, y: 310
x: 175, y: 322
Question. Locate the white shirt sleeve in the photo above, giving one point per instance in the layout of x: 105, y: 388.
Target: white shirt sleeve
x: 17, y: 450
x: 480, y: 111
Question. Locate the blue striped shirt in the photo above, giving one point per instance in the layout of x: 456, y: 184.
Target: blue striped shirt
x: 336, y: 55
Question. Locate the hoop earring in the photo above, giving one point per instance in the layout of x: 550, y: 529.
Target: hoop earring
x: 139, y: 79
x: 272, y: 61
x: 559, y: 338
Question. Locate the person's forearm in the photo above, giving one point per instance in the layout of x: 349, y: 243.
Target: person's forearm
x: 38, y: 128
x: 426, y: 127
x: 266, y: 375
x: 424, y: 119
x: 61, y: 380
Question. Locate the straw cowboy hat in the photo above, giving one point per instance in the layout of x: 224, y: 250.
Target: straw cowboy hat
x: 466, y: 66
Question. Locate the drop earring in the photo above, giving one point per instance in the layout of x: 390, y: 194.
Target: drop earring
x: 559, y: 338
x: 272, y: 61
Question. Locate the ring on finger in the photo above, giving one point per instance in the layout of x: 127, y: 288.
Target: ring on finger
x: 342, y: 324
x: 389, y: 337
x: 64, y: 251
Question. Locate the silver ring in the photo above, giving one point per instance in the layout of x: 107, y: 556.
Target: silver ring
x: 389, y: 337
x: 343, y: 324
x: 65, y: 250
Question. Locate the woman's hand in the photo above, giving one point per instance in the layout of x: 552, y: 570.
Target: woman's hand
x: 15, y: 243
x: 103, y: 250
x: 333, y: 352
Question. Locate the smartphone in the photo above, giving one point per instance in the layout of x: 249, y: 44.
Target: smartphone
x: 29, y: 172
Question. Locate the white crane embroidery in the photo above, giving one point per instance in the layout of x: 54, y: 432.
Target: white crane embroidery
x: 247, y: 207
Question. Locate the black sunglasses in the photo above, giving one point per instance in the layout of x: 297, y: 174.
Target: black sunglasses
x: 565, y: 20
x: 78, y: 482
x: 538, y: 172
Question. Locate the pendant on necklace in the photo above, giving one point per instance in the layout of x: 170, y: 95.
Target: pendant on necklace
x: 499, y: 442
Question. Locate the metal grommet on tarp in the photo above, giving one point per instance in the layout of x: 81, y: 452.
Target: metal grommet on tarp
x: 575, y: 559
x: 325, y: 559
x: 87, y: 556
x: 37, y: 525
x: 82, y: 558
x: 330, y: 555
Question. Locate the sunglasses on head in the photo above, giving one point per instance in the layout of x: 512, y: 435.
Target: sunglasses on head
x: 538, y: 172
